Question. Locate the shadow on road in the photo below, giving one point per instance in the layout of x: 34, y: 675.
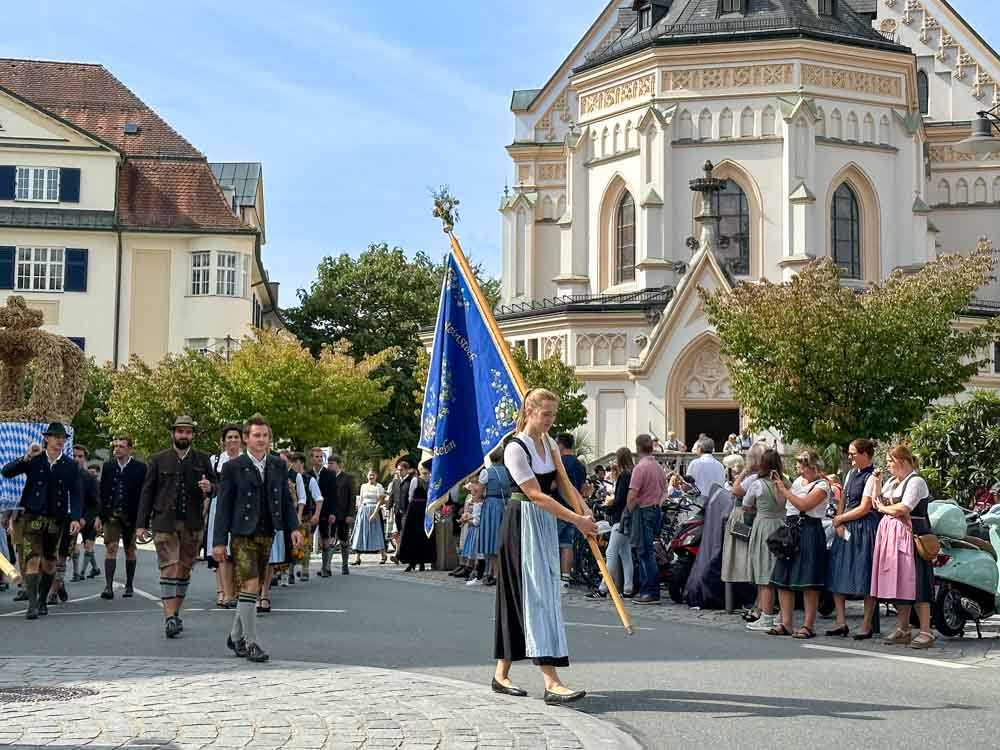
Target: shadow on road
x: 730, y: 706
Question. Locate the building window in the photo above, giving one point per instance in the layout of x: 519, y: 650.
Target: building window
x: 846, y: 229
x: 625, y: 240
x: 923, y: 92
x: 827, y: 7
x: 37, y: 184
x: 996, y: 358
x: 40, y: 269
x: 645, y: 18
x: 226, y: 274
x: 200, y: 270
x: 257, y: 315
x: 734, y: 222
x: 730, y: 6
x: 197, y: 345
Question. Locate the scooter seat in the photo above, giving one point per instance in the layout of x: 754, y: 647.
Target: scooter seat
x: 981, y: 544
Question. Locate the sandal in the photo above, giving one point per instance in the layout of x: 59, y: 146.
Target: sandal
x: 230, y: 604
x: 779, y: 629
x: 219, y: 601
x: 899, y: 637
x: 923, y: 640
x: 841, y: 631
x: 804, y: 634
x: 262, y: 609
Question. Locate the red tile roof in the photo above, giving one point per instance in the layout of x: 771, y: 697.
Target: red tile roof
x: 173, y: 194
x: 92, y: 99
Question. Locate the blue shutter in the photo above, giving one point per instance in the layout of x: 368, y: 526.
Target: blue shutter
x: 76, y: 270
x: 79, y: 341
x: 7, y: 255
x: 69, y: 185
x: 8, y: 178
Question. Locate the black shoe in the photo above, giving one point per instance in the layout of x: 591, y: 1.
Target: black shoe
x: 409, y: 568
x: 63, y: 595
x: 256, y: 654
x: 42, y: 609
x: 76, y: 578
x: 646, y: 599
x: 504, y: 690
x: 53, y: 599
x: 108, y: 593
x: 93, y: 573
x: 239, y: 647
x: 31, y: 614
x: 291, y: 580
x: 555, y: 699
x: 863, y: 636
x: 421, y: 567
x: 172, y: 627
x: 490, y: 581
x: 458, y: 572
x: 180, y: 625
x: 344, y: 571
x: 21, y: 596
x: 127, y: 593
x: 596, y: 594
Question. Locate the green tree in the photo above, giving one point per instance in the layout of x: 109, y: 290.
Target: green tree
x: 88, y: 428
x: 824, y: 363
x: 959, y: 446
x: 561, y: 379
x: 377, y: 301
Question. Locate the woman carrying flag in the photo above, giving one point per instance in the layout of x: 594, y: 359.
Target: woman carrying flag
x: 529, y: 620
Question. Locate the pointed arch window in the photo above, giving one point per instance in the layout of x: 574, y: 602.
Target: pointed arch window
x: 734, y: 223
x: 625, y: 240
x: 923, y: 92
x: 846, y: 227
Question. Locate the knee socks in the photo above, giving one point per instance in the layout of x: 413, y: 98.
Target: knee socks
x: 326, y: 559
x: 88, y: 559
x: 170, y: 588
x: 130, y: 571
x: 345, y: 553
x: 44, y: 584
x: 109, y: 571
x: 76, y: 564
x: 246, y: 616
x: 60, y: 570
x: 480, y: 568
x: 31, y: 581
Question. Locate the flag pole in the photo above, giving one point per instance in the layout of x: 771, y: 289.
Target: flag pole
x: 522, y: 386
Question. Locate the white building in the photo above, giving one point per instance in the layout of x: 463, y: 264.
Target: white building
x: 834, y: 122
x: 114, y: 226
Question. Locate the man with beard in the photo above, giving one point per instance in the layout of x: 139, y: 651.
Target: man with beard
x: 255, y: 503
x: 174, y: 503
x: 326, y: 483
x: 51, y: 495
x: 121, y: 484
x: 68, y: 543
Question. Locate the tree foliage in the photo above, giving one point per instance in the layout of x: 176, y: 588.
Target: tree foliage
x: 561, y: 379
x: 377, y: 301
x: 89, y: 429
x: 824, y: 363
x: 308, y: 400
x: 958, y: 446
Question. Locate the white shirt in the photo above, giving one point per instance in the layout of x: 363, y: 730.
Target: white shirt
x: 707, y: 472
x: 802, y: 488
x: 123, y: 465
x: 916, y: 490
x: 261, y: 464
x: 372, y: 493
x: 300, y: 488
x: 748, y: 483
x: 520, y: 468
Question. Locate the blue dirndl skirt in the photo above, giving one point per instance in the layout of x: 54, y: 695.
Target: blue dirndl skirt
x: 851, y: 559
x: 469, y: 548
x: 368, y: 535
x: 488, y: 538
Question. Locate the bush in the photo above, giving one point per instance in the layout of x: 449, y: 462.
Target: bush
x: 959, y: 446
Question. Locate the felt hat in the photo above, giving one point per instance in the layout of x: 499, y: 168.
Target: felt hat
x: 56, y: 429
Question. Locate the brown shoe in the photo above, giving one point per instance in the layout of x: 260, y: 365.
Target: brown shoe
x: 899, y: 637
x: 922, y: 641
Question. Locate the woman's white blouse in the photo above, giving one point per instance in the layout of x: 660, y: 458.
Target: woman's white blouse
x: 516, y: 460
x: 915, y: 491
x: 372, y: 493
x: 802, y: 488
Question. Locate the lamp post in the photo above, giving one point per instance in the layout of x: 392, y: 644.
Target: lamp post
x: 985, y: 138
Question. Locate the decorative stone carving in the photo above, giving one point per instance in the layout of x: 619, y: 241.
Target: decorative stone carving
x: 852, y: 80
x: 600, y: 350
x: 743, y: 76
x: 947, y: 153
x: 708, y: 379
x: 620, y: 94
x: 553, y: 346
x: 552, y: 172
x: 545, y: 129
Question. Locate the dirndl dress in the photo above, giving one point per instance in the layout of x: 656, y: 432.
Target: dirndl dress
x: 415, y: 547
x: 368, y: 535
x: 497, y: 489
x: 471, y: 540
x: 851, y: 558
x: 735, y: 551
x: 807, y: 570
x: 529, y: 622
x: 281, y: 548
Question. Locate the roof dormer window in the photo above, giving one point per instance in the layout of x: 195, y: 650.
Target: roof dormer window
x: 828, y: 7
x: 650, y: 11
x: 645, y: 17
x: 732, y: 6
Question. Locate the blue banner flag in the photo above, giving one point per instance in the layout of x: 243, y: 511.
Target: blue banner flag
x: 471, y: 399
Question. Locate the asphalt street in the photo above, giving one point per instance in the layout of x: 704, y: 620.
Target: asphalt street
x: 669, y: 685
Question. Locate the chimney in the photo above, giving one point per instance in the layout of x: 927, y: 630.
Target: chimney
x: 273, y: 286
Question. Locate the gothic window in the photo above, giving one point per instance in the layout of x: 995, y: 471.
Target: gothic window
x: 962, y: 192
x: 705, y: 125
x: 980, y: 191
x: 885, y: 131
x: 996, y: 190
x: 923, y: 92
x: 767, y: 122
x: 625, y: 240
x: 846, y: 227
x: 836, y: 125
x: 746, y: 123
x: 686, y: 128
x: 726, y: 124
x: 944, y: 193
x: 869, y: 128
x: 734, y: 222
x: 853, y: 131
x: 820, y: 123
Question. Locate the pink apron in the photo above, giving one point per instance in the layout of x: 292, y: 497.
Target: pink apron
x: 893, y: 565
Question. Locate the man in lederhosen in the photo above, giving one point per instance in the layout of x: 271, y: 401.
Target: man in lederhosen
x: 173, y: 503
x: 51, y: 495
x: 121, y: 485
x: 255, y: 502
x: 91, y: 513
x: 327, y: 484
x: 68, y: 542
x: 309, y: 487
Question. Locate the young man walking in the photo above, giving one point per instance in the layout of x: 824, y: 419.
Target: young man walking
x: 174, y: 503
x: 91, y: 515
x: 254, y: 503
x: 51, y: 495
x: 577, y: 474
x: 327, y: 484
x: 121, y: 485
x: 68, y: 543
x: 341, y: 512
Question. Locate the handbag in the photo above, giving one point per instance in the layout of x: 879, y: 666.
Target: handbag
x: 785, y: 541
x: 927, y: 545
x: 742, y: 529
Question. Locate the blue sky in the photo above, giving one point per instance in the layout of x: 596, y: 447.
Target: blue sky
x: 354, y: 107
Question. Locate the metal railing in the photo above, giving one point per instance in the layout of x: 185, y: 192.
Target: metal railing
x: 656, y: 295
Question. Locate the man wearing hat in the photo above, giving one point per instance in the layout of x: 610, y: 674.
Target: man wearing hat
x: 121, y: 484
x: 51, y: 495
x: 174, y: 501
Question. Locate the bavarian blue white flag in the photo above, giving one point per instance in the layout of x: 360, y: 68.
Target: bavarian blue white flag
x: 471, y: 399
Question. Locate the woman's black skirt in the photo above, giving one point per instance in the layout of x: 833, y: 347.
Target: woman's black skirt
x: 415, y: 547
x: 807, y: 571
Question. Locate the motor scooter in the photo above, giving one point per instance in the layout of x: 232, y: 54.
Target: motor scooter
x: 966, y: 572
x: 679, y: 542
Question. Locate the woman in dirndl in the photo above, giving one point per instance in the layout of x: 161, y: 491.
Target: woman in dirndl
x: 368, y: 536
x: 529, y: 623
x: 856, y: 526
x: 225, y: 572
x: 497, y: 484
x: 899, y: 575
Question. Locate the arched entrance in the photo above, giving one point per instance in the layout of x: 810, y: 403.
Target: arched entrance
x: 699, y: 394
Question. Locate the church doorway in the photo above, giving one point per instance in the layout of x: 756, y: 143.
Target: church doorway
x: 718, y: 424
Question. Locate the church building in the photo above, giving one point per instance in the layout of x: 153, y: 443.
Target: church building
x: 837, y: 127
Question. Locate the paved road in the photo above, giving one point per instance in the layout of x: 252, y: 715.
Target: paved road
x: 680, y: 679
